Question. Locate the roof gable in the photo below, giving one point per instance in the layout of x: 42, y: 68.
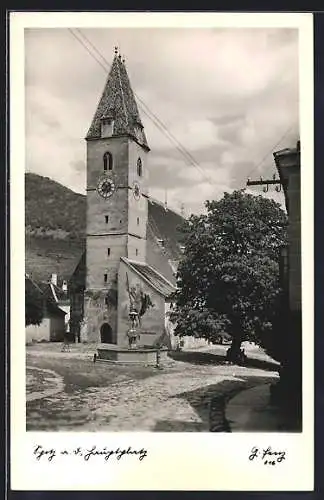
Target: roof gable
x: 151, y: 276
x: 118, y: 102
x: 42, y: 289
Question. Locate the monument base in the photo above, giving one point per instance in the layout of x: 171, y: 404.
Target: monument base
x: 113, y: 353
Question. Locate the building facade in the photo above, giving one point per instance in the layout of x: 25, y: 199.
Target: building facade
x: 133, y: 243
x: 117, y: 221
x: 288, y: 165
x: 55, y: 307
x: 290, y: 387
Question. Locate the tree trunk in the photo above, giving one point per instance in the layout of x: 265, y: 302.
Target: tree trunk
x: 236, y: 344
x: 234, y: 352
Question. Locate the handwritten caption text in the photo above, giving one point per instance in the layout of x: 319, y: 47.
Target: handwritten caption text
x: 267, y: 455
x: 50, y: 454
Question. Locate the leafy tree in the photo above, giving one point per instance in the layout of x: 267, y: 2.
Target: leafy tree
x: 33, y: 304
x: 228, y: 279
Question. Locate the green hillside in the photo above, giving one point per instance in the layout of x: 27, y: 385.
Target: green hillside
x: 52, y: 209
x: 55, y: 228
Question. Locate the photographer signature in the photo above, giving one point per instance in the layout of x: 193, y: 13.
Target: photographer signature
x: 267, y: 455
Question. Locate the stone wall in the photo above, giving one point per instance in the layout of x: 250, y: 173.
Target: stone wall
x: 38, y: 333
x: 118, y: 148
x: 152, y: 322
x: 99, y: 308
x: 134, y: 152
x: 187, y: 341
x: 57, y: 328
x: 100, y: 263
x: 76, y: 312
x: 50, y: 330
x: 116, y: 227
x: 137, y: 208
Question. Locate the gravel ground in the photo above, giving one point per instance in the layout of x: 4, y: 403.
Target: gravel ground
x: 188, y: 395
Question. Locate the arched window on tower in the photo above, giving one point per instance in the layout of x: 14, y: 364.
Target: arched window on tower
x: 108, y: 161
x: 139, y: 168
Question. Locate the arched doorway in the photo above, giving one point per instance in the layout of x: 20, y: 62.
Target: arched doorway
x: 106, y: 334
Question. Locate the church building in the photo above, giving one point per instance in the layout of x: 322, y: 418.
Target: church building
x: 114, y: 277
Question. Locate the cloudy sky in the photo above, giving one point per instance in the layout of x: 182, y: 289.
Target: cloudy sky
x: 229, y: 96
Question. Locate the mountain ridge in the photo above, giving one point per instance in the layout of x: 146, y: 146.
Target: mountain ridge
x: 52, y: 220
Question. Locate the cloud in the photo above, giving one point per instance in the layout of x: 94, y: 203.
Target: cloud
x: 229, y: 96
x: 78, y: 165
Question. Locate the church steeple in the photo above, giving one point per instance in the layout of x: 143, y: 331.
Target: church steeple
x: 117, y: 112
x: 117, y: 199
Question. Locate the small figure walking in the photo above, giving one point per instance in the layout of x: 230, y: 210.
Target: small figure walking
x: 66, y: 345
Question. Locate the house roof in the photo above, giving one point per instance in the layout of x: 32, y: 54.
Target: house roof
x: 151, y: 276
x: 78, y: 278
x: 118, y: 102
x: 42, y: 290
x: 54, y: 292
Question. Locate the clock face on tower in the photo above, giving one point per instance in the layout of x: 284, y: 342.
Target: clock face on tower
x: 136, y: 191
x: 106, y: 187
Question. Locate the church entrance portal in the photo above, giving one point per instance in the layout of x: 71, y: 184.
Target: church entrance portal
x: 106, y: 334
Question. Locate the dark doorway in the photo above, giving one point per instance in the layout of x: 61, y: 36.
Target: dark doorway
x: 106, y: 334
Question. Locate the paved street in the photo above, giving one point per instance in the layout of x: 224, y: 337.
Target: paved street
x: 187, y: 395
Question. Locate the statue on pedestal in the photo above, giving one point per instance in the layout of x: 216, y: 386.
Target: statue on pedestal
x: 132, y: 333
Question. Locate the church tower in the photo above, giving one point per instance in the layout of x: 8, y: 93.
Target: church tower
x: 117, y: 204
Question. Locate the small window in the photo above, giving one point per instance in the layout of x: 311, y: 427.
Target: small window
x: 108, y: 251
x: 138, y: 221
x: 107, y: 161
x: 106, y: 301
x: 136, y: 251
x: 107, y: 127
x: 139, y: 167
x: 106, y: 219
x: 105, y: 278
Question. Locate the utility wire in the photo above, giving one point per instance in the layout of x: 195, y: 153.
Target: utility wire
x: 155, y: 119
x: 157, y: 122
x: 271, y: 150
x: 87, y: 49
x: 139, y: 99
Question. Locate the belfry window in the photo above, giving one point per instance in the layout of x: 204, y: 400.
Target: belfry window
x: 107, y: 161
x: 105, y: 278
x: 107, y: 127
x: 139, y: 168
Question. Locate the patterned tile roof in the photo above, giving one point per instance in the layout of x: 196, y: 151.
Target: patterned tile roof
x: 118, y: 102
x: 155, y: 279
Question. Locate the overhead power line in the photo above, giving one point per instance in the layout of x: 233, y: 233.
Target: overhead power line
x: 271, y: 150
x: 105, y: 65
x: 144, y: 107
x: 87, y: 49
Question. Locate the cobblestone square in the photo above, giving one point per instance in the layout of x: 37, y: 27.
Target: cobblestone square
x: 70, y: 392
